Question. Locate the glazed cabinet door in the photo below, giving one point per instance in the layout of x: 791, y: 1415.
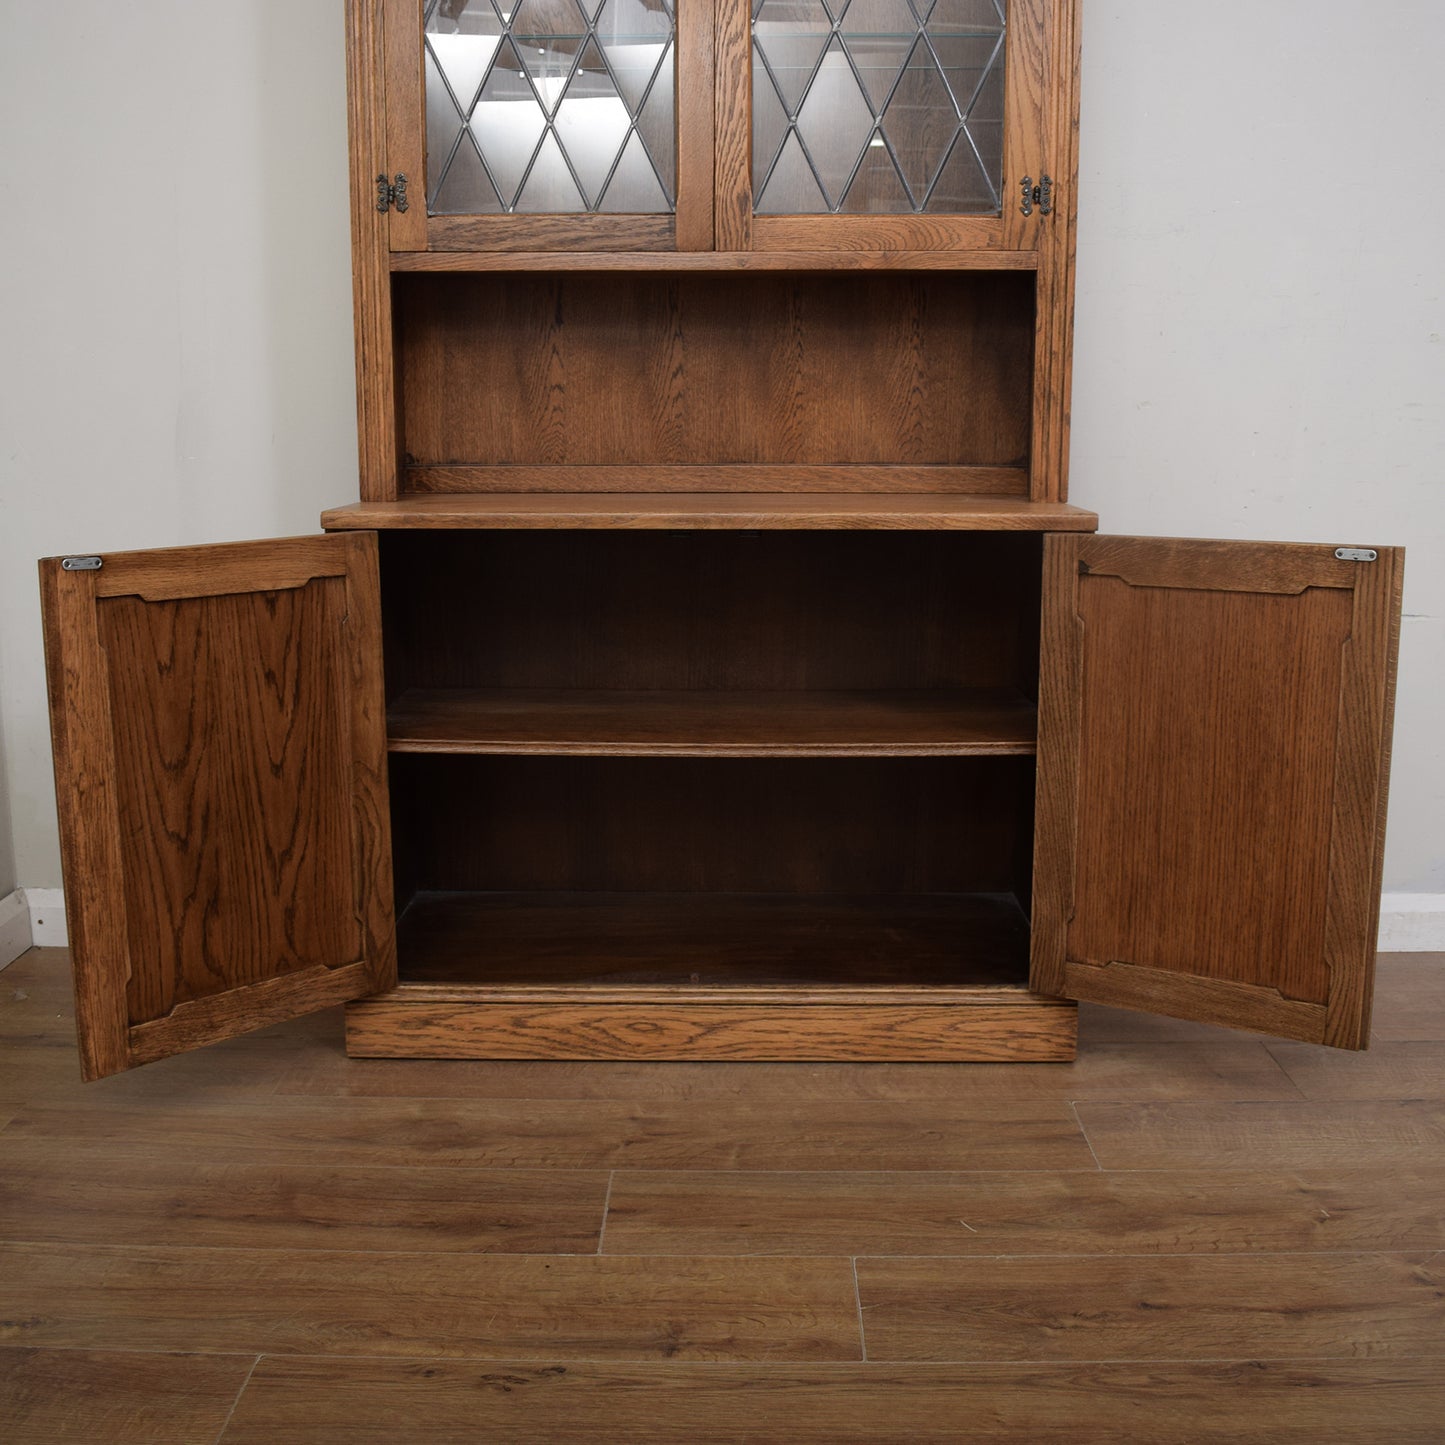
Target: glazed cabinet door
x: 1214, y: 736
x: 934, y: 125
x: 543, y: 125
x: 220, y: 759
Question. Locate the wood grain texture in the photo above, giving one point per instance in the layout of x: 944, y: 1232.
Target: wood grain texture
x: 1388, y: 1071
x: 712, y: 368
x: 711, y: 724
x: 517, y: 945
x: 1413, y: 1006
x: 696, y: 77
x: 956, y: 1133
x: 1276, y: 1307
x: 298, y: 1401
x: 403, y: 98
x: 1194, y: 715
x: 1259, y: 1136
x: 220, y: 756
x: 198, y: 1198
x: 459, y: 1306
x: 1235, y: 1069
x: 370, y: 242
x: 987, y: 1215
x: 995, y: 482
x: 880, y: 233
x: 759, y: 511
x: 120, y: 1398
x: 732, y: 127
x: 1030, y: 87
x: 957, y: 1032
x: 665, y: 261
x: 582, y: 232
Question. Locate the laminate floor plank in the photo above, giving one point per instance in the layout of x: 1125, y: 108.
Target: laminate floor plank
x: 1181, y: 1307
x: 163, y: 1196
x: 472, y: 1306
x: 1073, y: 1212
x: 300, y: 1401
x: 1389, y: 1070
x: 1308, y: 1135
x: 1410, y: 997
x: 1239, y: 1068
x: 84, y: 1397
x: 586, y: 1134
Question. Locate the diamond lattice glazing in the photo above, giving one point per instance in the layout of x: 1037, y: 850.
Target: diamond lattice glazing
x: 550, y: 106
x: 880, y: 106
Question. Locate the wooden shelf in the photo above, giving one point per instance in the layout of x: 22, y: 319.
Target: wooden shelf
x: 708, y: 947
x: 687, y: 511
x: 555, y: 721
x: 832, y: 260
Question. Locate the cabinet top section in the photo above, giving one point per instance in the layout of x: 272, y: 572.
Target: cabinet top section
x: 714, y: 512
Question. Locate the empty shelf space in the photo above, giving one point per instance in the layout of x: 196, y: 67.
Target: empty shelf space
x: 557, y: 721
x: 725, y: 947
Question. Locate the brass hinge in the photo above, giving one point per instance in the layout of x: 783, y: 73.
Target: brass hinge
x: 1041, y: 195
x: 391, y: 193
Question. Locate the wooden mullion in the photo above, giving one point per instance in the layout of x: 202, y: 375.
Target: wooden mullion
x: 405, y: 108
x: 693, y: 107
x: 732, y: 42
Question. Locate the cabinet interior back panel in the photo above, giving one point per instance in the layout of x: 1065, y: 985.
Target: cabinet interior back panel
x: 772, y: 611
x: 718, y: 826
x: 581, y: 369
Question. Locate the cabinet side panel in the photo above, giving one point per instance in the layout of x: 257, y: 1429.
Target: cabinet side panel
x: 370, y: 271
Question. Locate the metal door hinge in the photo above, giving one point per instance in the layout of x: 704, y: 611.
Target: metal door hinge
x: 80, y: 564
x: 391, y: 193
x: 1357, y: 554
x: 1041, y: 195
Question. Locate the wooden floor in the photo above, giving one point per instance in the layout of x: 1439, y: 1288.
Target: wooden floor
x: 1189, y: 1235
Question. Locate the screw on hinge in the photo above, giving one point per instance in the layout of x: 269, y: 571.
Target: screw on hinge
x: 391, y: 193
x: 1041, y: 195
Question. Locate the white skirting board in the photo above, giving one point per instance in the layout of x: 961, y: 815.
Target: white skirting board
x: 31, y: 918
x: 35, y: 917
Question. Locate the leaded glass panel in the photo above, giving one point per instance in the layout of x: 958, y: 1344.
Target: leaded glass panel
x: 881, y: 106
x: 550, y: 106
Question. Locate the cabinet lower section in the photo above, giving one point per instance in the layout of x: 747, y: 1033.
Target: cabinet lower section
x: 598, y: 975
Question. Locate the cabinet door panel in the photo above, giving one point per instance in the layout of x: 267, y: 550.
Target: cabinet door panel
x: 1214, y: 724
x: 899, y: 127
x: 219, y: 728
x: 549, y: 125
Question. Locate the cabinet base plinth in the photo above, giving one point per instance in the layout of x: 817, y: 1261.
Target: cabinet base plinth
x: 1032, y: 1030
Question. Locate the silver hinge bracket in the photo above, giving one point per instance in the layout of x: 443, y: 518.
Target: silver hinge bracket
x: 80, y: 564
x: 391, y: 193
x: 1357, y: 554
x: 1041, y: 195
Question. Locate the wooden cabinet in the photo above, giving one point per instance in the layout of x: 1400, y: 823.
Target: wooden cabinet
x: 675, y: 689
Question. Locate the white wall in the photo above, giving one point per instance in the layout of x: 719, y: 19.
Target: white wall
x: 1259, y: 345
x: 1261, y: 307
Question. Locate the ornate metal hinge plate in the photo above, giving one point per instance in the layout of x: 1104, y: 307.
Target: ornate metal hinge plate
x: 1041, y: 195
x: 391, y: 193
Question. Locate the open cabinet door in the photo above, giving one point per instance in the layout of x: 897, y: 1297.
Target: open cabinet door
x: 220, y: 763
x: 1214, y: 735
